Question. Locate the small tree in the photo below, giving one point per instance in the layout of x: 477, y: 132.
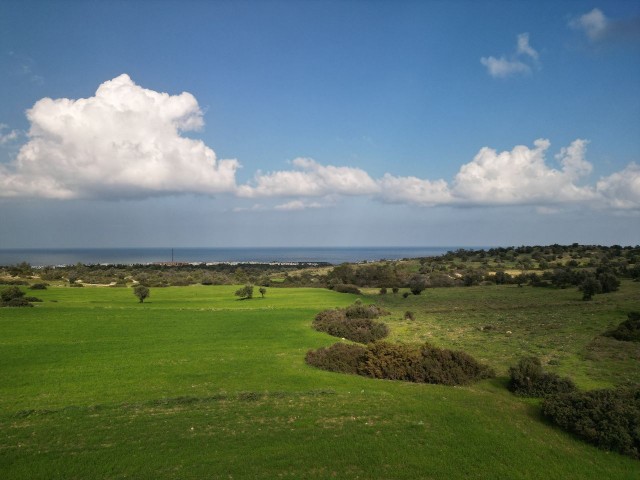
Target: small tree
x: 245, y: 292
x: 141, y: 292
x: 262, y: 291
x: 590, y: 287
x: 417, y: 284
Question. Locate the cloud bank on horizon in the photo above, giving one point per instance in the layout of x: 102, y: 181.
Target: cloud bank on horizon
x: 127, y: 142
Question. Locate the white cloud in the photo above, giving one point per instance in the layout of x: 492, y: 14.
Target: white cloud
x: 600, y: 29
x: 298, y: 205
x: 413, y: 190
x: 10, y: 136
x: 124, y: 142
x: 522, y: 177
x: 524, y: 48
x: 622, y: 189
x: 594, y: 24
x: 310, y: 179
x: 505, y: 67
x: 502, y: 68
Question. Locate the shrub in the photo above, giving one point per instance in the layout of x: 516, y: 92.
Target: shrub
x: 609, y: 419
x: 413, y: 363
x: 38, y: 286
x: 32, y: 299
x: 245, y: 292
x: 346, y: 288
x: 14, y: 297
x: 405, y: 295
x: 17, y: 302
x: 528, y: 379
x: 10, y: 293
x: 355, y: 323
x: 340, y: 357
x: 422, y: 364
x: 627, y: 331
x: 409, y: 315
x: 383, y: 291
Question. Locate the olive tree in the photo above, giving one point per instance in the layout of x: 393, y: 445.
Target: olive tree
x: 141, y: 292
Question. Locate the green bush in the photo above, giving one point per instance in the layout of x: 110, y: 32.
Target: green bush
x: 245, y: 292
x: 627, y: 331
x: 422, y: 364
x: 609, y: 419
x: 528, y: 379
x: 14, y: 297
x: 412, y: 363
x: 346, y: 288
x: 38, y: 286
x: 340, y: 357
x: 354, y: 323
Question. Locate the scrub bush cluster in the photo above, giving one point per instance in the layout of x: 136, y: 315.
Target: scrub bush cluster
x: 627, y: 331
x: 528, y: 379
x: 355, y: 323
x: 609, y: 419
x: 413, y: 363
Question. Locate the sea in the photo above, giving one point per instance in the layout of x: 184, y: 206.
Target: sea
x: 132, y: 256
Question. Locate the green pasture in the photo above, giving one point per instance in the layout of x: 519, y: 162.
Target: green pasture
x: 195, y: 383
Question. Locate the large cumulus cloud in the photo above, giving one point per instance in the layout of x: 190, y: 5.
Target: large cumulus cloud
x: 123, y: 142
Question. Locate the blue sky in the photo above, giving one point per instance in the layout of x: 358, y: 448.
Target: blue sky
x: 319, y: 123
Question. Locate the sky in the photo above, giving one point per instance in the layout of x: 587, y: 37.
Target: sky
x: 319, y: 123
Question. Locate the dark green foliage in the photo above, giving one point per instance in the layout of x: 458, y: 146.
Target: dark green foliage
x: 245, y: 292
x: 417, y: 284
x: 38, y: 286
x: 32, y: 299
x: 141, y: 291
x: 14, y: 297
x: 608, y: 282
x: 392, y: 361
x: 354, y: 323
x: 339, y: 357
x: 629, y: 330
x: 262, y: 291
x: 405, y: 295
x: 590, y: 286
x: 11, y: 293
x: 528, y: 379
x: 346, y: 288
x: 409, y: 315
x: 610, y: 419
x: 422, y: 364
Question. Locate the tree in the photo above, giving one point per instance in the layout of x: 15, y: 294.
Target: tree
x: 590, y: 287
x: 245, y: 292
x: 417, y: 284
x: 141, y: 292
x: 262, y: 291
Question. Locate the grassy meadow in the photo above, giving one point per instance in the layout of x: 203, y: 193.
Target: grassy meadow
x: 195, y: 383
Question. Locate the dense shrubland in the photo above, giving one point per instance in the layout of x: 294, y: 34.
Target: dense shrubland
x: 593, y: 269
x: 610, y: 418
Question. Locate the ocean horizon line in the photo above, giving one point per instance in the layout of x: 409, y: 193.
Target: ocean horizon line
x: 146, y: 255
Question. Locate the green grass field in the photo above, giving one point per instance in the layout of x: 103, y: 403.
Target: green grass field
x: 197, y: 384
